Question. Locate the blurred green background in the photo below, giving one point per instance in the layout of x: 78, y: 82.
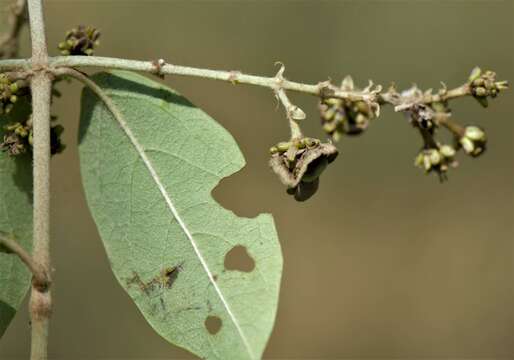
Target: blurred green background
x: 383, y: 262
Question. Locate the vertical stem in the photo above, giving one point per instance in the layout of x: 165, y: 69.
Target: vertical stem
x: 37, y: 34
x: 40, y: 301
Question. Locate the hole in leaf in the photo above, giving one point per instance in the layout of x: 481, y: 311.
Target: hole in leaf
x: 238, y: 259
x: 213, y: 324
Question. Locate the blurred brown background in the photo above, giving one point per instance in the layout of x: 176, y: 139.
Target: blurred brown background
x: 383, y: 262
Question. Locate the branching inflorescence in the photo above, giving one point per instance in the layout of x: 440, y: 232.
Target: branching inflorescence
x: 345, y: 110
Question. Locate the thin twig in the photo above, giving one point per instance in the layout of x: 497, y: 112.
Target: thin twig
x: 9, y: 42
x: 293, y: 113
x: 235, y: 77
x: 39, y: 273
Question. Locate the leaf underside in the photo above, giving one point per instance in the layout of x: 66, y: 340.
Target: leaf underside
x: 15, y: 221
x: 148, y: 184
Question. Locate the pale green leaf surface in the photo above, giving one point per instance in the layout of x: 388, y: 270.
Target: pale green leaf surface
x: 15, y: 221
x: 149, y: 189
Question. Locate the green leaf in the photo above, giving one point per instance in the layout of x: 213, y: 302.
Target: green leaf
x: 15, y: 221
x: 148, y: 179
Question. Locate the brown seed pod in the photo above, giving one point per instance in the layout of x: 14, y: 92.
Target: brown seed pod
x: 299, y: 169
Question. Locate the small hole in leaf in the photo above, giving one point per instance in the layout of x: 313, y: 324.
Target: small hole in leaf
x: 213, y: 324
x: 238, y: 259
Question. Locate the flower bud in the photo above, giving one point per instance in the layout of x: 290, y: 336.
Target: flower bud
x: 473, y: 141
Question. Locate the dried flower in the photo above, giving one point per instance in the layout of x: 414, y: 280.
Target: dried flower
x: 300, y: 163
x: 80, y: 41
x: 340, y: 116
x: 437, y: 159
x: 484, y: 85
x: 18, y: 138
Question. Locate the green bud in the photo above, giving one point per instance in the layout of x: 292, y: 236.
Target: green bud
x: 13, y: 99
x: 480, y: 91
x: 474, y: 133
x: 435, y: 157
x: 362, y: 107
x: 489, y: 84
x: 14, y: 87
x: 478, y: 82
x: 310, y: 142
x: 467, y: 145
x: 299, y: 144
x: 329, y: 127
x: 426, y: 162
x: 332, y: 101
x: 283, y: 146
x: 329, y: 113
x: 447, y: 151
x: 360, y: 119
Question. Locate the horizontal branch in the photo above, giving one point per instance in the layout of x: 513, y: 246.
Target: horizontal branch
x: 235, y: 77
x: 40, y: 276
x: 277, y: 82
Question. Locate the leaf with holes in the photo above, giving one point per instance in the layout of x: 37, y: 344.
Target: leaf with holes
x: 148, y: 174
x: 15, y: 220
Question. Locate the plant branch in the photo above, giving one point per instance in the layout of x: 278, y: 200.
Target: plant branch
x: 9, y: 42
x: 37, y: 34
x: 40, y: 276
x: 41, y: 86
x: 293, y: 113
x: 235, y: 77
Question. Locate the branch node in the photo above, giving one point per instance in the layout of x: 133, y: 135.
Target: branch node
x: 157, y: 68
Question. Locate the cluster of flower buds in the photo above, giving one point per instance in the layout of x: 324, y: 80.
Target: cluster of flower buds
x: 473, y: 141
x: 299, y: 163
x: 341, y: 116
x: 18, y: 138
x: 80, y: 41
x: 438, y: 159
x: 10, y: 90
x: 484, y: 85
